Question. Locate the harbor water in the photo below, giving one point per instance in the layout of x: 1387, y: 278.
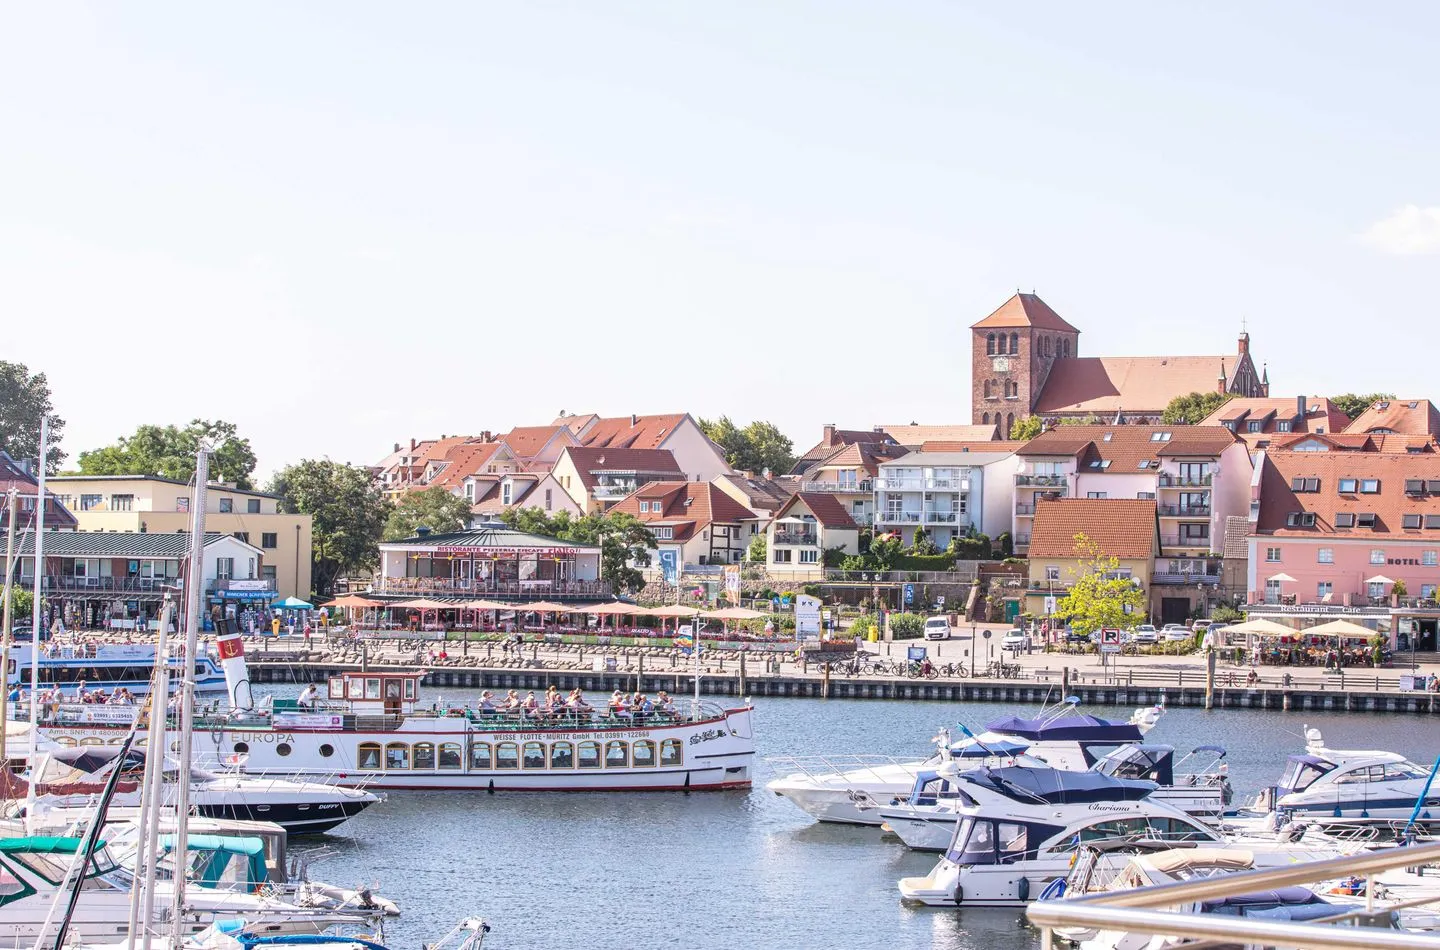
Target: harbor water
x: 738, y: 869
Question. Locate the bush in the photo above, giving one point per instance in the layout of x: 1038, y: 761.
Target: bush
x: 907, y: 626
x: 923, y: 562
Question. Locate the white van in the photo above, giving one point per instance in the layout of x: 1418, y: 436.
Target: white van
x: 937, y: 628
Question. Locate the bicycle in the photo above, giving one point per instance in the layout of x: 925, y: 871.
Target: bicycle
x: 1002, y: 670
x: 957, y: 670
x: 916, y: 670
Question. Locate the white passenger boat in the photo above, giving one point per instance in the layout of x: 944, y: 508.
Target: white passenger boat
x: 1026, y: 824
x: 104, y: 666
x: 925, y: 821
x: 1350, y: 788
x: 846, y: 789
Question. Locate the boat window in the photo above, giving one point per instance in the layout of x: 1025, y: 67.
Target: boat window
x: 92, y: 740
x: 393, y: 689
x: 644, y: 754
x: 52, y: 867
x: 1403, y: 772
x: 409, y: 689
x: 479, y: 755
x: 11, y: 887
x: 326, y: 750
x: 562, y: 755
x: 372, y: 688
x: 534, y: 757
x: 617, y: 754
x: 357, y: 689
x: 507, y: 755
x: 672, y: 752
x: 1372, y: 773
x: 974, y: 843
x: 1300, y: 775
x: 424, y: 755
x: 450, y: 755
x: 1012, y: 840
x: 397, y: 756
x: 1115, y: 828
x: 337, y: 687
x: 369, y: 755
x: 587, y: 755
x: 66, y: 741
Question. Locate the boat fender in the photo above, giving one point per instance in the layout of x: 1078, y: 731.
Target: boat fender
x: 1023, y: 889
x: 490, y: 789
x: 687, y: 783
x: 959, y: 894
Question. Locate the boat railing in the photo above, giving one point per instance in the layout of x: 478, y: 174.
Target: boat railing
x: 599, y: 718
x: 827, y: 769
x: 1153, y: 910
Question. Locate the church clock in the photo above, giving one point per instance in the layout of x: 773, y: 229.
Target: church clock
x: 1001, y: 364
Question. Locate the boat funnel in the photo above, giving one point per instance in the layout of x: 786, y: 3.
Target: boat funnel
x: 231, y: 648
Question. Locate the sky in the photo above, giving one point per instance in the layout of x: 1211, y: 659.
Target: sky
x: 341, y: 225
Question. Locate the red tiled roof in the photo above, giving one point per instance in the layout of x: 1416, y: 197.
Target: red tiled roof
x: 1403, y: 416
x: 527, y: 441
x: 825, y: 507
x: 945, y: 446
x: 1025, y: 310
x: 1125, y: 446
x: 633, y: 432
x: 863, y: 455
x: 464, y: 460
x: 1121, y: 527
x: 1109, y: 384
x: 707, y: 503
x: 439, y: 448
x: 917, y: 435
x: 836, y: 438
x: 1389, y: 504
x: 591, y: 459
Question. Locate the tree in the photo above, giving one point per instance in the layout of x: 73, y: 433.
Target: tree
x: 1192, y: 408
x: 348, y: 512
x: 755, y: 448
x: 624, y: 541
x: 170, y: 451
x: 1099, y: 596
x: 756, y: 552
x: 1026, y: 428
x: 1352, y: 405
x: 921, y: 543
x: 24, y: 399
x: 434, y: 508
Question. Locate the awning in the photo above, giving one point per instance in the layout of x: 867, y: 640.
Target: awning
x: 1340, y: 628
x: 292, y: 603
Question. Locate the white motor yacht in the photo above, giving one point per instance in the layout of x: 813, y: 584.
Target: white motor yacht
x: 846, y: 789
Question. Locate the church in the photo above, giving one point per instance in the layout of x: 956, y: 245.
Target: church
x: 1025, y: 360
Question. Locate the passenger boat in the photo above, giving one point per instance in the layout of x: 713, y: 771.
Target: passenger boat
x: 1350, y: 788
x: 1025, y: 825
x: 846, y: 789
x: 925, y: 821
x: 107, y: 666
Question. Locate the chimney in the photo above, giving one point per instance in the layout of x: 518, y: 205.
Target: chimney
x: 1244, y: 343
x: 634, y: 420
x: 397, y: 447
x: 829, y: 437
x: 1300, y: 406
x: 412, y: 445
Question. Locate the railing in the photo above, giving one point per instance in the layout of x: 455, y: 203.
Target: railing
x: 1176, y: 541
x: 1166, y: 578
x: 898, y: 517
x: 863, y: 518
x: 922, y: 484
x: 864, y: 486
x: 940, y: 517
x: 128, y: 585
x: 791, y: 537
x: 1060, y: 481
x: 1185, y: 481
x: 1024, y: 510
x: 1183, y: 511
x: 489, y: 587
x: 964, y: 573
x: 1022, y: 539
x: 611, y: 492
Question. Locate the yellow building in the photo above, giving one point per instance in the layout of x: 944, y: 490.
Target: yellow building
x: 160, y: 505
x: 1123, y: 528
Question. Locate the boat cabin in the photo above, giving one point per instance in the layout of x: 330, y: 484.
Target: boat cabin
x: 1150, y: 763
x: 1054, y: 787
x: 376, y: 694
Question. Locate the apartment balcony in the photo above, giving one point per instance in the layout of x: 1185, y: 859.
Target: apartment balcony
x: 117, y: 585
x: 1043, y: 481
x: 1022, y: 539
x: 1025, y: 511
x: 863, y: 518
x: 1183, y: 580
x: 922, y: 484
x: 863, y: 487
x: 1177, y: 541
x: 1166, y: 480
x: 801, y: 538
x: 941, y: 517
x: 898, y: 517
x: 1183, y: 511
x: 490, y: 587
x: 611, y: 492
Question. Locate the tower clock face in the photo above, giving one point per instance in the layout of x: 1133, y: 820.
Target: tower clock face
x: 1001, y: 364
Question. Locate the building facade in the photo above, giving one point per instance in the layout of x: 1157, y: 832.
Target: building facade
x: 807, y: 526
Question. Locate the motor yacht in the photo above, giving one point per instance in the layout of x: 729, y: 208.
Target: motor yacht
x: 846, y: 789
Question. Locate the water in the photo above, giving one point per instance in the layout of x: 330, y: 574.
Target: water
x: 739, y: 869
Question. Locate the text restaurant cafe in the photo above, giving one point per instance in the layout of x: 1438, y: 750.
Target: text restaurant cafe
x: 488, y: 561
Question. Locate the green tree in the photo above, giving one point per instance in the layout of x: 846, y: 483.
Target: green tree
x: 624, y: 541
x: 348, y: 512
x: 24, y: 399
x: 434, y: 508
x: 885, y: 550
x: 22, y: 605
x: 170, y: 451
x: 756, y: 553
x: 1026, y: 428
x: 921, y: 543
x: 755, y: 448
x: 1192, y: 408
x: 1352, y: 404
x: 1098, y: 597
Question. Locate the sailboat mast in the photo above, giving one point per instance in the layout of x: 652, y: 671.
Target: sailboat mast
x: 193, y: 583
x: 5, y: 642
x: 35, y: 626
x: 152, y: 800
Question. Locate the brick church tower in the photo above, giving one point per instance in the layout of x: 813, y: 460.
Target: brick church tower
x: 1011, y: 354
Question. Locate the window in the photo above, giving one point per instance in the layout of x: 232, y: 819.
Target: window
x: 268, y: 572
x: 780, y: 556
x: 644, y: 506
x: 533, y: 756
x: 1252, y: 426
x: 368, y: 756
x: 1145, y: 495
x: 1300, y: 519
x: 1097, y: 494
x: 644, y: 754
x: 989, y: 344
x: 1305, y: 484
x: 252, y: 506
x: 1369, y: 486
x: 1365, y: 519
x: 479, y: 756
x: 1014, y: 343
x: 672, y: 752
x: 1325, y: 556
x: 562, y: 755
x: 1272, y: 554
x: 547, y: 499
x: 1348, y: 486
x: 1432, y: 521
x: 87, y: 502
x: 450, y: 755
x: 1427, y: 591
x: 1283, y: 426
x: 121, y: 502
x: 809, y: 556
x: 1190, y: 533
x: 506, y: 492
x: 1324, y: 589
x: 397, y: 756
x: 227, y: 505
x: 1160, y: 436
x: 1344, y: 519
x: 1376, y: 589
x: 224, y: 568
x: 1377, y: 555
x: 1427, y: 559
x: 989, y: 389
x: 269, y: 539
x: 1414, y: 486
x: 1433, y: 486
x: 241, y: 536
x: 424, y: 755
x: 1410, y: 521
x: 507, y: 755
x: 587, y: 755
x: 665, y: 534
x: 617, y: 754
x: 1052, y: 574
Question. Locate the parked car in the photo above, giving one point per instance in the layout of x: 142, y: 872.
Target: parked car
x: 1176, y: 632
x: 937, y: 628
x: 1145, y: 634
x: 1015, y: 639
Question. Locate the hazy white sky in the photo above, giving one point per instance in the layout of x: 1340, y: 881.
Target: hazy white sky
x: 343, y: 224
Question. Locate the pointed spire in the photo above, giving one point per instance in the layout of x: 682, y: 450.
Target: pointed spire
x: 1265, y: 374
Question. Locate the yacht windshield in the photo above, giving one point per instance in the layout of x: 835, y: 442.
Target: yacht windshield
x: 1300, y: 775
x: 987, y: 842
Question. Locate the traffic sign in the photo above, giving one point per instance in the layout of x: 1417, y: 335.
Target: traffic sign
x: 909, y: 593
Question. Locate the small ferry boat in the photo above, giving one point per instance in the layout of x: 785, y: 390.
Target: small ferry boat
x: 103, y: 666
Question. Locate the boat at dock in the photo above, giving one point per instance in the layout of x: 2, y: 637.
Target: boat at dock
x: 103, y: 666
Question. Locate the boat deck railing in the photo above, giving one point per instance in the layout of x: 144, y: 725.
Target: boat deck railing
x: 1147, y: 910
x: 828, y: 769
x: 566, y: 720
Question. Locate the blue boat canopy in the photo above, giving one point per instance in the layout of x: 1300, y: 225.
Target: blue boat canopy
x: 1058, y: 787
x: 972, y: 749
x: 1078, y: 728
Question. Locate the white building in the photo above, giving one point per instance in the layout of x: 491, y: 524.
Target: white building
x: 945, y: 493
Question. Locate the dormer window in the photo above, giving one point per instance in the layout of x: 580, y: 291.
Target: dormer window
x: 1345, y: 519
x: 1282, y: 426
x: 1143, y: 464
x: 1253, y: 425
x: 1410, y: 521
x: 1300, y: 519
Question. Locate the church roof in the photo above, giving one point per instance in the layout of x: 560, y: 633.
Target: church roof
x: 1109, y: 384
x: 1025, y: 310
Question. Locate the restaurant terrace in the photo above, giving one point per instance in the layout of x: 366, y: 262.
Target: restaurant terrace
x: 491, y: 561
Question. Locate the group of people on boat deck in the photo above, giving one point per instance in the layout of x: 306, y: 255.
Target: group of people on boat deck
x: 556, y: 706
x: 56, y: 695
x: 639, y: 705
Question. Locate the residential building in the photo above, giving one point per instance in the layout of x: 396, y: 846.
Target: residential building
x: 698, y: 457
x: 17, y: 475
x: 848, y: 473
x: 943, y: 492
x: 1123, y: 528
x: 831, y: 439
x: 597, y: 478
x: 539, y: 447
x: 913, y: 436
x: 1261, y: 421
x: 804, y: 528
x: 763, y: 496
x: 1025, y: 360
x: 1417, y: 417
x: 695, y: 523
x: 1338, y: 529
x: 154, y: 504
x: 121, y: 576
x: 491, y: 561
x: 1197, y: 475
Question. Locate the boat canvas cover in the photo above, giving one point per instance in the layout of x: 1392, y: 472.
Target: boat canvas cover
x: 1225, y: 859
x: 1154, y: 762
x: 1058, y: 787
x: 43, y: 845
x: 1066, y: 728
x: 95, y: 759
x: 982, y: 748
x: 220, y: 849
